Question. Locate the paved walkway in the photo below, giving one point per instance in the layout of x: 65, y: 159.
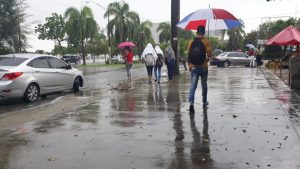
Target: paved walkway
x: 143, y: 127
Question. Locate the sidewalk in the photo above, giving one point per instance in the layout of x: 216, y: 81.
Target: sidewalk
x: 145, y: 126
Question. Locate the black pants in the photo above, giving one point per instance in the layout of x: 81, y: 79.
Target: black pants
x: 150, y: 70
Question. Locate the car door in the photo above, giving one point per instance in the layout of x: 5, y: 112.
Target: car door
x: 244, y: 59
x: 231, y: 58
x: 64, y: 76
x: 43, y: 74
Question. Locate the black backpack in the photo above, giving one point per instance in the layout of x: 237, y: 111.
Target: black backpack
x: 159, y: 60
x: 197, y: 52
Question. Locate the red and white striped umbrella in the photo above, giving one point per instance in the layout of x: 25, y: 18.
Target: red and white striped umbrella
x: 212, y: 19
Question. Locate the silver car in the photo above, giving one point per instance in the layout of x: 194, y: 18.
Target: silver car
x: 227, y: 59
x: 32, y: 75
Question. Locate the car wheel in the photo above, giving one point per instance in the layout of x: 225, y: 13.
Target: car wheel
x: 76, y: 84
x: 32, y: 93
x: 226, y: 63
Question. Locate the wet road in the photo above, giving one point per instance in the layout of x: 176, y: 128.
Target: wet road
x: 140, y: 126
x: 95, y: 78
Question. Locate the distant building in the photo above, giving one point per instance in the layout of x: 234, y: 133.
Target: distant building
x: 155, y: 35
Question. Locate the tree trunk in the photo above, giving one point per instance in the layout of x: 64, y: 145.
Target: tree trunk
x: 175, y: 14
x: 83, y: 51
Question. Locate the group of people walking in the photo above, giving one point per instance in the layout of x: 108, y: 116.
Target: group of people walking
x: 155, y: 58
x: 199, y: 52
x: 255, y: 56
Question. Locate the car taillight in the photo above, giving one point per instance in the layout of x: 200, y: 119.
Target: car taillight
x: 11, y: 76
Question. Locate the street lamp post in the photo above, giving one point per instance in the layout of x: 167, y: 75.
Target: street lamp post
x: 108, y: 33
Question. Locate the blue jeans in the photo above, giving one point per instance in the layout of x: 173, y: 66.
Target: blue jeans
x: 157, y: 72
x: 170, y: 67
x: 195, y: 73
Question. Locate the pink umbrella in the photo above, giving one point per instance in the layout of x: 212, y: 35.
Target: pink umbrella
x: 124, y: 44
x: 288, y: 36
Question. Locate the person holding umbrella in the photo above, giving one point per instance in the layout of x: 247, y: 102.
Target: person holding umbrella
x: 128, y: 60
x: 199, y: 54
x: 126, y: 49
x: 251, y: 53
x: 150, y: 57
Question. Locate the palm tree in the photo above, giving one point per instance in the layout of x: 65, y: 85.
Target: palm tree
x: 143, y: 35
x: 81, y: 27
x: 165, y: 32
x: 123, y: 24
x: 236, y: 36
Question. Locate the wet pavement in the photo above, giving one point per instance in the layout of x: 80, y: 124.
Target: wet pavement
x: 94, y: 79
x: 251, y: 122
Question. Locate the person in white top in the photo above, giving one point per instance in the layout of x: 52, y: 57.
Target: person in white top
x: 150, y: 57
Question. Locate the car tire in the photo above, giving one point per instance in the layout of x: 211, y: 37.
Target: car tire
x: 76, y: 84
x: 226, y: 63
x: 32, y: 93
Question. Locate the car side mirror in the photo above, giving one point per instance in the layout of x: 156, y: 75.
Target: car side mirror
x: 69, y: 67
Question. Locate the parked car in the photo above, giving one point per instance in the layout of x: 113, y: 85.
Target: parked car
x: 29, y: 76
x: 71, y: 58
x: 227, y: 59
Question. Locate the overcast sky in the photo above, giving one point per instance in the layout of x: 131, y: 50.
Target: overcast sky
x: 252, y: 12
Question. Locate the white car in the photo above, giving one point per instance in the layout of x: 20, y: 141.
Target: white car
x: 32, y: 75
x: 227, y: 59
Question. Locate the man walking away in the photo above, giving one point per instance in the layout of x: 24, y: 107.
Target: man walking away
x: 170, y: 61
x: 198, y: 57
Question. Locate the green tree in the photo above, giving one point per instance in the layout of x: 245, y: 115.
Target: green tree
x: 122, y: 26
x: 143, y: 35
x: 98, y: 45
x: 13, y: 31
x: 250, y: 38
x: 63, y: 50
x: 235, y: 38
x: 185, y: 38
x: 269, y: 29
x: 53, y: 29
x: 165, y: 32
x: 80, y: 27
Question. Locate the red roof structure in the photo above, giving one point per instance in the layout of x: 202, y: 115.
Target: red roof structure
x: 288, y: 36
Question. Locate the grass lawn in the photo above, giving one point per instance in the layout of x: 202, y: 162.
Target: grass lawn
x: 119, y: 65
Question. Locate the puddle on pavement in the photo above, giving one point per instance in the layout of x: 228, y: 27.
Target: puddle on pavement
x: 149, y: 127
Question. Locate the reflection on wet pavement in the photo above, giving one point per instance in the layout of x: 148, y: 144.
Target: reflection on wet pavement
x: 136, y: 125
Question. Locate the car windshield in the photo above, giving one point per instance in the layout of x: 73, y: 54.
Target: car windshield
x: 11, y: 61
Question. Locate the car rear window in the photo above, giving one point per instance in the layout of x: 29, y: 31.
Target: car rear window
x: 11, y: 61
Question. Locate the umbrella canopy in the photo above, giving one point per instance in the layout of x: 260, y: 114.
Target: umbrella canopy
x: 288, y: 36
x: 251, y: 46
x: 212, y: 19
x: 124, y: 44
